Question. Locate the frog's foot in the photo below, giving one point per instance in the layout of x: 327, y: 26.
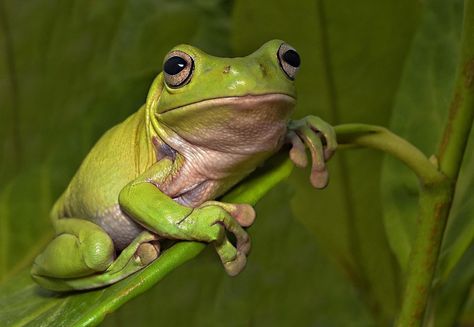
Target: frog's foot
x: 211, y: 221
x: 320, y: 138
x: 143, y: 250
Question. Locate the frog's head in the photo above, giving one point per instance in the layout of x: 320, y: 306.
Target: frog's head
x: 241, y: 104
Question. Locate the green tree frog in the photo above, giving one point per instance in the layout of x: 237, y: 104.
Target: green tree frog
x: 207, y: 123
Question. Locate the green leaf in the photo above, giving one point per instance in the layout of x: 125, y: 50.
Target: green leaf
x: 420, y: 115
x: 23, y: 303
x: 352, y: 54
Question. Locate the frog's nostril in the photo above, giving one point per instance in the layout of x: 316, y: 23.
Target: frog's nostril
x: 263, y: 70
x: 226, y: 69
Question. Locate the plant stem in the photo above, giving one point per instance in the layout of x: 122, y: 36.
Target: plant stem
x: 436, y: 199
x: 382, y: 139
x: 435, y: 203
x: 461, y: 112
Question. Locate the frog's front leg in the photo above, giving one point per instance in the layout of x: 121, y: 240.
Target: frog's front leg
x: 148, y: 205
x: 320, y: 138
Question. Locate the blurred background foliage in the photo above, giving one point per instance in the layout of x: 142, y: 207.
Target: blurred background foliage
x: 71, y: 70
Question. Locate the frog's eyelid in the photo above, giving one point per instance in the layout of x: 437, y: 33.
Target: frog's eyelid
x: 178, y: 68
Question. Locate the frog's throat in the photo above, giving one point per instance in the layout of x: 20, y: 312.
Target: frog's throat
x: 238, y: 124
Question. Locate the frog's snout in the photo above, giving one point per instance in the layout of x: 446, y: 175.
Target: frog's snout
x: 261, y: 69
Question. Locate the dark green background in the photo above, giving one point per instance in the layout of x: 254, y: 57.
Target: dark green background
x: 71, y: 70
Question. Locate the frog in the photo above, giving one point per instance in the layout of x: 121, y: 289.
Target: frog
x: 207, y: 124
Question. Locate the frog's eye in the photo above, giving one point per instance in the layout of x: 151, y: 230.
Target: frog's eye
x: 289, y: 60
x: 178, y: 68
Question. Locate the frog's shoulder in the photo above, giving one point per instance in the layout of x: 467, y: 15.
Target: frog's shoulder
x: 117, y: 158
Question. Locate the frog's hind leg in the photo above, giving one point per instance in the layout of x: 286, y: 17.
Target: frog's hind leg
x: 80, y: 248
x: 82, y: 257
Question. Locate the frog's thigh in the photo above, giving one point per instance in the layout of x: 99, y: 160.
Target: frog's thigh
x: 80, y: 248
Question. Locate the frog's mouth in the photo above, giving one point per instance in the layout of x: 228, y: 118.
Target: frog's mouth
x: 253, y: 98
x: 238, y: 124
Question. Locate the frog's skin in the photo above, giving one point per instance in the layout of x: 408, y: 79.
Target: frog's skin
x: 208, y: 122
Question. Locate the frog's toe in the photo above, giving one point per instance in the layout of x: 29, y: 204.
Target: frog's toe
x: 319, y: 174
x: 235, y: 266
x: 243, y: 244
x: 328, y: 134
x: 244, y: 214
x: 147, y: 252
x: 298, y: 150
x: 330, y: 144
x: 319, y: 179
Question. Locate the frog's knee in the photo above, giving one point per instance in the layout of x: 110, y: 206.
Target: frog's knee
x: 97, y: 250
x: 70, y: 256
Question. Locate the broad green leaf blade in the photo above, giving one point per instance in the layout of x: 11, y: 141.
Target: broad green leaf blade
x: 29, y: 196
x: 419, y: 115
x: 352, y: 54
x: 22, y: 302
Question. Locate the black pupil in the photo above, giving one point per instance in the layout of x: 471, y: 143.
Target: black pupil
x: 174, y: 65
x: 292, y: 58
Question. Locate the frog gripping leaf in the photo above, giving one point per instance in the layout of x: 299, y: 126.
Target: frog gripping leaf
x: 208, y: 123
